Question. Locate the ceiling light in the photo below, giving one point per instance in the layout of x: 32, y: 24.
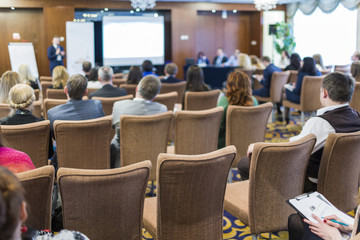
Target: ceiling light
x: 143, y: 4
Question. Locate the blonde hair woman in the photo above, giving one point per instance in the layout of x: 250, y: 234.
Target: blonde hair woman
x: 60, y: 77
x: 8, y: 80
x: 244, y: 61
x: 26, y: 75
x: 256, y: 63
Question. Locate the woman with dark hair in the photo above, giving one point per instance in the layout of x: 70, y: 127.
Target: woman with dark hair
x: 195, y: 79
x: 147, y: 68
x: 295, y: 62
x: 93, y: 81
x: 239, y: 93
x: 135, y: 75
x: 285, y: 59
x: 202, y: 59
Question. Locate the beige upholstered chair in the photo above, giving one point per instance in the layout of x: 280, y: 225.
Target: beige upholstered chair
x: 91, y: 90
x: 83, y: 144
x: 246, y: 125
x: 342, y: 68
x: 325, y: 71
x: 130, y: 88
x: 119, y: 76
x: 56, y: 94
x: 107, y: 102
x: 117, y: 82
x: 278, y: 80
x: 31, y: 138
x: 309, y: 97
x: 144, y: 137
x: 180, y: 212
x: 179, y: 87
x: 45, y: 79
x: 37, y: 111
x: 197, y: 132
x: 293, y: 76
x: 355, y: 100
x: 201, y: 100
x: 105, y: 204
x: 277, y: 173
x: 168, y: 99
x: 5, y: 110
x: 45, y: 86
x: 248, y: 72
x: 38, y: 186
x: 50, y: 103
x: 340, y: 169
x: 37, y: 94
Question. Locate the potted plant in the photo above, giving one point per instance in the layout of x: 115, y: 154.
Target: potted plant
x: 284, y: 39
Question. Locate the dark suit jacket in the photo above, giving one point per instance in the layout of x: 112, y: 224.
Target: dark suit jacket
x: 51, y: 54
x: 170, y: 79
x: 109, y: 91
x: 266, y: 81
x: 224, y: 60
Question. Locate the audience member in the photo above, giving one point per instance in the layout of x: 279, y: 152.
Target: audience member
x: 142, y: 104
x: 86, y: 67
x: 319, y: 62
x: 60, y: 77
x: 220, y: 58
x: 15, y: 161
x: 147, y: 68
x: 26, y: 76
x: 195, y: 80
x: 285, y: 59
x: 295, y: 62
x: 336, y: 116
x: 135, y: 75
x: 244, y: 61
x: 108, y: 90
x: 55, y: 54
x: 170, y: 73
x: 8, y: 80
x: 265, y: 80
x: 238, y: 92
x: 233, y: 59
x: 202, y: 60
x: 76, y: 108
x: 355, y: 70
x: 256, y: 63
x: 93, y: 81
x: 355, y: 56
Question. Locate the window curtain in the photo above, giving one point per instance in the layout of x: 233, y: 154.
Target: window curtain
x: 327, y: 6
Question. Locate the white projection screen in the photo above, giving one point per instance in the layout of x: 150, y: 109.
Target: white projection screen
x: 129, y: 40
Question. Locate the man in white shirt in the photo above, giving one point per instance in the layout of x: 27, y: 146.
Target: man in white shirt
x: 335, y: 117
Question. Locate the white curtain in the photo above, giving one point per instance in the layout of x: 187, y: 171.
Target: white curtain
x: 327, y: 6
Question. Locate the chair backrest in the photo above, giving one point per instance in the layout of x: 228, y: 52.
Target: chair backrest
x: 5, y: 110
x: 104, y: 204
x: 44, y: 86
x: 310, y: 93
x: 50, y: 103
x: 248, y: 72
x: 293, y: 76
x: 183, y: 212
x: 197, y: 132
x: 91, y: 90
x: 143, y: 138
x: 31, y: 138
x: 83, y: 144
x: 325, y: 71
x: 55, y: 93
x: 168, y: 99
x: 179, y: 87
x: 342, y: 68
x: 108, y: 102
x: 339, y: 170
x: 246, y: 125
x: 278, y: 80
x: 201, y: 100
x: 130, y: 88
x: 37, y: 111
x: 38, y: 185
x: 37, y: 94
x: 45, y: 79
x: 355, y: 100
x: 117, y: 82
x: 277, y: 173
x: 119, y: 76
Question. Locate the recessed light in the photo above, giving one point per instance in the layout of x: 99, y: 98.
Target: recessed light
x: 235, y: 11
x: 12, y: 8
x: 138, y: 9
x: 106, y: 9
x: 213, y: 11
x: 132, y: 11
x: 156, y: 15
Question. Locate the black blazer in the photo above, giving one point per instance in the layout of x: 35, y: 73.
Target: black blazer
x: 109, y: 90
x: 170, y: 79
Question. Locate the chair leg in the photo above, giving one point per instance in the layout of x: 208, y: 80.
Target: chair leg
x: 283, y: 115
x: 254, y: 236
x: 273, y: 113
x: 302, y: 118
x: 230, y: 176
x: 270, y: 235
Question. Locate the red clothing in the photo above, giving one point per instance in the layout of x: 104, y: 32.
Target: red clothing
x: 14, y: 160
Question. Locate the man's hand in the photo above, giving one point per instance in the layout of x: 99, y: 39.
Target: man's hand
x: 62, y: 53
x: 323, y: 230
x: 258, y: 77
x: 57, y: 51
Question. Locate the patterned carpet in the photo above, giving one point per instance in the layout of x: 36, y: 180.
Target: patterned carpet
x: 233, y: 228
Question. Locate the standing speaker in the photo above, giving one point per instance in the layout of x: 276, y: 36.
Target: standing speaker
x: 272, y: 29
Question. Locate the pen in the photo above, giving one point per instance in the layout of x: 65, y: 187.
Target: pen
x: 334, y: 221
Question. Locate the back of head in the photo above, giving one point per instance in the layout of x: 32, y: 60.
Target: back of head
x: 309, y: 66
x: 60, y: 77
x: 239, y: 89
x: 25, y: 73
x: 355, y: 70
x: 171, y: 69
x: 135, y: 75
x: 266, y: 59
x: 244, y: 61
x: 254, y: 59
x: 195, y: 78
x: 286, y: 53
x: 76, y: 86
x: 149, y: 86
x: 318, y: 59
x: 295, y: 60
x: 21, y: 96
x: 8, y: 80
x: 105, y: 74
x: 147, y: 66
x: 339, y: 86
x: 11, y: 198
x: 86, y: 66
x: 93, y: 75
